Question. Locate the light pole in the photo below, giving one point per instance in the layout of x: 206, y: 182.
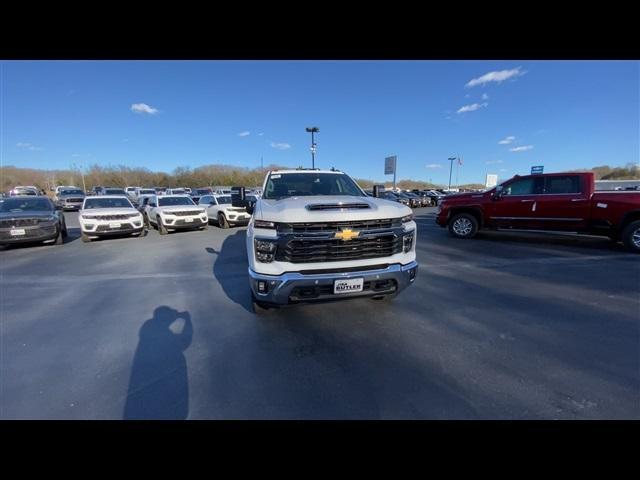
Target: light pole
x: 313, y: 130
x: 451, y: 159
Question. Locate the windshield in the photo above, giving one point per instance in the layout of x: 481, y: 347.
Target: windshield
x: 169, y: 201
x: 202, y: 191
x: 305, y: 184
x: 224, y: 200
x: 115, y: 191
x: 24, y: 191
x: 72, y: 192
x: 107, y: 203
x: 147, y: 192
x: 25, y: 205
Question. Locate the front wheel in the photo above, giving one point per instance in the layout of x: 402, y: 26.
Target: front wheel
x: 161, y: 228
x: 631, y: 236
x: 259, y: 307
x: 222, y: 221
x: 463, y: 225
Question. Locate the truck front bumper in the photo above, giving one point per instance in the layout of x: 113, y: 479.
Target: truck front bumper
x: 294, y: 287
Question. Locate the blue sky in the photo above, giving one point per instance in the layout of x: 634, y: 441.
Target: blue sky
x: 165, y: 114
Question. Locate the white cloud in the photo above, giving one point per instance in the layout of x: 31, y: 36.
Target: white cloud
x: 281, y: 146
x: 433, y: 165
x: 492, y: 162
x: 261, y: 134
x: 28, y: 146
x: 76, y: 155
x: 244, y: 134
x: 507, y: 140
x: 485, y: 96
x: 504, y: 169
x: 498, y: 77
x: 471, y: 108
x: 521, y: 149
x: 143, y: 108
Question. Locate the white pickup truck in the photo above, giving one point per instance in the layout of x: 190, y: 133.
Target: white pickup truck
x: 175, y: 212
x: 315, y: 236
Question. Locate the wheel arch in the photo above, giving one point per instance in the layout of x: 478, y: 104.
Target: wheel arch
x: 475, y: 211
x: 627, y: 218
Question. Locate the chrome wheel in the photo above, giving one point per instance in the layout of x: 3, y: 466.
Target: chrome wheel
x: 462, y: 227
x: 635, y: 237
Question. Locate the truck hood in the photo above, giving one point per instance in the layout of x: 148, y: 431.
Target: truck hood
x: 463, y: 197
x: 325, y: 208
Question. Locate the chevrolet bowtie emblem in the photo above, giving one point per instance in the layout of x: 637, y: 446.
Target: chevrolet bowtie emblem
x: 347, y: 234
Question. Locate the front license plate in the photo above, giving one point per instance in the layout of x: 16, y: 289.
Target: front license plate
x: 114, y: 225
x: 16, y: 232
x: 348, y: 286
x: 188, y: 220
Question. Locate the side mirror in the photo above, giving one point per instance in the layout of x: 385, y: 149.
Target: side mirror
x: 377, y: 189
x: 497, y: 195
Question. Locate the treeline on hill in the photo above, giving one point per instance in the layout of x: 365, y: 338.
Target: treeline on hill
x: 211, y: 175
x: 122, y: 176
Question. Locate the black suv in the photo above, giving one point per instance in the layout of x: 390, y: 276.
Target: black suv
x: 31, y: 219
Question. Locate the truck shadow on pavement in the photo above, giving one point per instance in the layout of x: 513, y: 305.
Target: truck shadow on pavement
x: 230, y: 269
x: 159, y: 386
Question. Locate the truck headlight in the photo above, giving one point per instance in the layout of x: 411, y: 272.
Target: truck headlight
x: 265, y: 250
x: 408, y: 218
x: 263, y: 224
x: 407, y: 242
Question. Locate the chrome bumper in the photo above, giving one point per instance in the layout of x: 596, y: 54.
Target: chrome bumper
x: 281, y: 289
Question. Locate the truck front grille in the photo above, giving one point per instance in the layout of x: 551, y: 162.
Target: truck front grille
x: 322, y: 227
x: 309, y: 250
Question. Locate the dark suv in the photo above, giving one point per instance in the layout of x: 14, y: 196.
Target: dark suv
x: 31, y: 219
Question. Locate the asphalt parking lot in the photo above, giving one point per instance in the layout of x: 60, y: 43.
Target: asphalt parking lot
x: 505, y: 326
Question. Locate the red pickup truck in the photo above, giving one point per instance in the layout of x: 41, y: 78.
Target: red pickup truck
x: 565, y: 202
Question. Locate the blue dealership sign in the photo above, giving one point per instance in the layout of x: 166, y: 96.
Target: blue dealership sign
x: 537, y: 169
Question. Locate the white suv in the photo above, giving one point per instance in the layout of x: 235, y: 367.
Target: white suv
x: 109, y: 215
x: 220, y: 208
x: 175, y: 212
x: 315, y: 236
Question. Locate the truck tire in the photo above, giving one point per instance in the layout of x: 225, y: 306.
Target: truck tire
x: 162, y: 230
x: 257, y: 306
x: 85, y: 237
x: 222, y: 220
x: 631, y: 236
x: 463, y: 225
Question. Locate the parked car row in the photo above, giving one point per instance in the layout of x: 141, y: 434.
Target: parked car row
x: 415, y: 199
x: 33, y: 218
